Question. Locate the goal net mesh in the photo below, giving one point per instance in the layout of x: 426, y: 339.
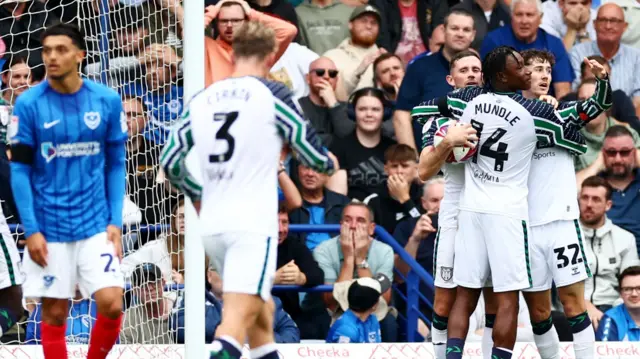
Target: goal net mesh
x: 134, y: 47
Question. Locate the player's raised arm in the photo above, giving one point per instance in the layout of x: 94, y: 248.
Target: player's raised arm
x: 552, y: 129
x: 583, y: 111
x: 295, y: 130
x: 450, y: 106
x: 173, y: 158
x: 115, y: 161
x: 22, y: 160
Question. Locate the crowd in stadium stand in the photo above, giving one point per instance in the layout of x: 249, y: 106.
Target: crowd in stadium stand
x: 357, y: 68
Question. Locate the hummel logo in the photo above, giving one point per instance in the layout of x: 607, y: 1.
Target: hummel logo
x: 51, y: 124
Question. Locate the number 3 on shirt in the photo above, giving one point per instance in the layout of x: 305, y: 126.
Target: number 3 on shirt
x: 223, y: 134
x: 500, y: 155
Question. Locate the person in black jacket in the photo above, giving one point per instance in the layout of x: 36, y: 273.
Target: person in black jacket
x: 319, y: 205
x: 429, y: 14
x: 295, y: 264
x: 398, y: 198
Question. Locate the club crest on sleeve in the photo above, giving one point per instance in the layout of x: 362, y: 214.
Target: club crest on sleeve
x: 123, y: 122
x: 92, y: 119
x: 446, y: 273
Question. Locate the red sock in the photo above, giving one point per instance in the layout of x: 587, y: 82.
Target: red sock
x: 103, y: 336
x: 54, y: 345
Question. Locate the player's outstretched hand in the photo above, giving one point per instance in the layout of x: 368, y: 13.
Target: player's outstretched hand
x: 550, y: 100
x: 37, y: 247
x: 114, y: 235
x: 596, y: 68
x: 196, y: 205
x: 462, y: 134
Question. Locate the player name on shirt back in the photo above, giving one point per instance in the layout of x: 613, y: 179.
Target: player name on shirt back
x: 494, y: 109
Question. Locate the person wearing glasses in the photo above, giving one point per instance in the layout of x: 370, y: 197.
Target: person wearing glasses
x: 610, y: 24
x: 622, y: 323
x: 608, y: 248
x: 229, y: 16
x: 618, y: 165
x: 327, y: 115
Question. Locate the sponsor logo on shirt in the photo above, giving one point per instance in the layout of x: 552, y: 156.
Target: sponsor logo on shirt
x: 538, y: 156
x: 66, y: 150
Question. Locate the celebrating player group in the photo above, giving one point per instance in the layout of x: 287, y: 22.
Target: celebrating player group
x: 509, y: 216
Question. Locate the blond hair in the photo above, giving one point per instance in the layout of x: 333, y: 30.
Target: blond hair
x: 159, y: 54
x: 254, y: 39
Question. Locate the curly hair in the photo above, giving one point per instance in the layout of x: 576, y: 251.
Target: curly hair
x: 495, y: 62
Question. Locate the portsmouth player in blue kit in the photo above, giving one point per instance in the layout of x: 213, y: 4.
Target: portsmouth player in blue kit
x: 68, y: 177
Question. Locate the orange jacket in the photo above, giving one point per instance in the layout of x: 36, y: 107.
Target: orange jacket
x: 217, y: 57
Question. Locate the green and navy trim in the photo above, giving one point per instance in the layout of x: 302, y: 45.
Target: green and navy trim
x: 7, y: 258
x: 173, y: 158
x: 584, y: 257
x: 525, y: 233
x: 264, y: 266
x: 435, y: 252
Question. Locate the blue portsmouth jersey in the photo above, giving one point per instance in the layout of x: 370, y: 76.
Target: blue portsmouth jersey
x: 350, y: 329
x: 617, y: 326
x: 68, y: 172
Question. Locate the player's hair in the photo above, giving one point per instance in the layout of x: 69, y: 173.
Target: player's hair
x: 72, y: 31
x: 368, y: 91
x: 282, y: 207
x: 597, y: 181
x: 432, y: 181
x: 617, y: 131
x: 255, y: 40
x: 129, y: 97
x: 356, y: 203
x: 532, y: 55
x: 461, y: 55
x: 379, y: 59
x: 458, y: 11
x: 495, y: 62
x: 599, y: 59
x: 628, y: 272
x: 537, y: 2
x: 400, y: 152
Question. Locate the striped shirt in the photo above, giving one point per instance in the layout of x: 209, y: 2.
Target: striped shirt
x: 623, y: 66
x: 237, y: 128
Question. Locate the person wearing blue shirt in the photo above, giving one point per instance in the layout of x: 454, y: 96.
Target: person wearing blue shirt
x: 425, y: 77
x: 82, y: 317
x: 358, y: 324
x: 622, y: 323
x: 524, y: 33
x: 68, y: 175
x: 160, y: 90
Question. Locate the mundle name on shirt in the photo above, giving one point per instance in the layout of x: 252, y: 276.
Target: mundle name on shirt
x: 493, y: 109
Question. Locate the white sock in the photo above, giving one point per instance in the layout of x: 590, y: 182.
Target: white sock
x: 439, y: 341
x: 487, y: 342
x: 583, y: 343
x: 261, y: 351
x: 548, y: 344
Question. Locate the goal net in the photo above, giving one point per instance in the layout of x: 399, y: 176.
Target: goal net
x: 134, y: 47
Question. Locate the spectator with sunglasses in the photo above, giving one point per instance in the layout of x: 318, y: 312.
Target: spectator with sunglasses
x: 594, y: 131
x: 327, y: 115
x: 361, y: 153
x: 617, y: 164
x: 609, y: 249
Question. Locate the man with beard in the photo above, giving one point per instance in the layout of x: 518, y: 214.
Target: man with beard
x: 618, y: 165
x: 355, y: 55
x: 609, y: 248
x: 388, y: 72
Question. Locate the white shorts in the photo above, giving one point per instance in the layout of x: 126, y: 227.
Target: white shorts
x: 492, y: 246
x: 11, y: 273
x: 245, y: 261
x: 443, y: 257
x: 91, y: 263
x: 557, y: 255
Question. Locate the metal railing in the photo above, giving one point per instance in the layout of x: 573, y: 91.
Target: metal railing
x: 414, y: 277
